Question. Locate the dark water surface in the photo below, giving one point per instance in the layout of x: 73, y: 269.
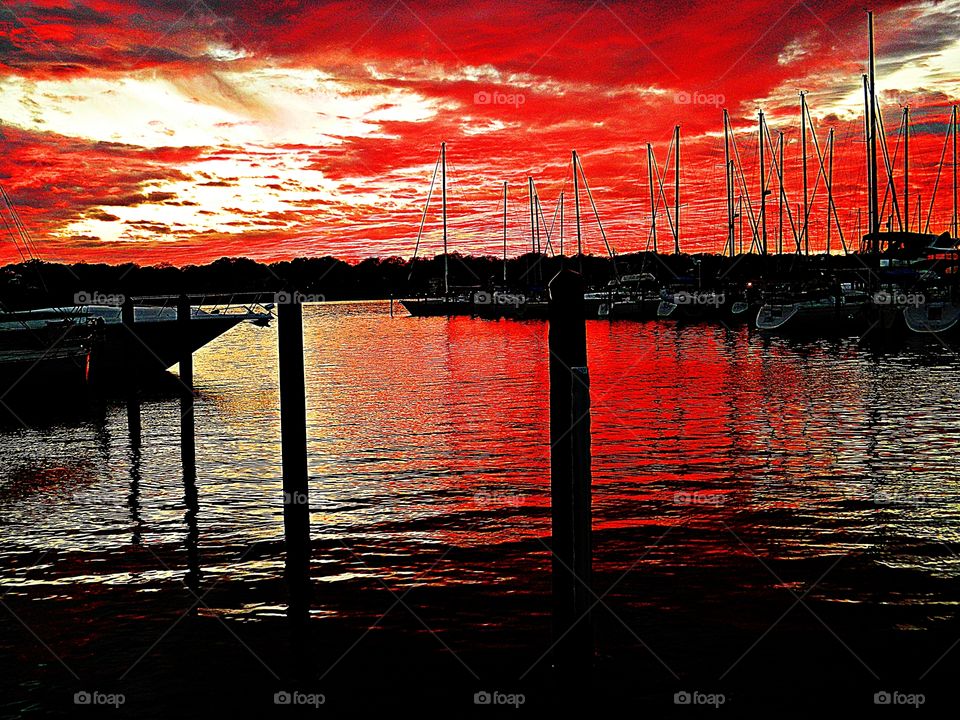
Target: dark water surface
x: 771, y: 517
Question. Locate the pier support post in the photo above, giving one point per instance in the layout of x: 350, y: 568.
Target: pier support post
x: 570, y: 479
x: 131, y: 351
x: 293, y: 431
x: 191, y: 497
x: 186, y: 347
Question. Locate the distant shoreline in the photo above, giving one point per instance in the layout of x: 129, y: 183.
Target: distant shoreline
x: 43, y: 284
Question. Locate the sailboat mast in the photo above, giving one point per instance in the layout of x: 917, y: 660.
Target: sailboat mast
x: 763, y: 191
x: 443, y: 182
x: 504, y: 232
x: 576, y: 202
x: 829, y: 189
x: 733, y: 212
x: 804, y: 230
x: 866, y: 139
x: 653, y: 202
x: 726, y: 173
x: 780, y: 187
x: 740, y: 215
x: 906, y: 168
x: 955, y: 217
x: 536, y: 216
x: 872, y: 140
x: 676, y: 189
x: 561, y: 223
x: 533, y: 234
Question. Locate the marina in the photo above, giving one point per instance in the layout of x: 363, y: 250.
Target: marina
x: 635, y: 397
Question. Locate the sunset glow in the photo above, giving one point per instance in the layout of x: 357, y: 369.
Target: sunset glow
x: 183, y: 131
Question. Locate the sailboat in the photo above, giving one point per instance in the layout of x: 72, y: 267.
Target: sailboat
x: 43, y: 356
x: 450, y: 301
x: 508, y: 302
x: 905, y: 257
x: 93, y: 336
x: 834, y: 307
x: 48, y: 353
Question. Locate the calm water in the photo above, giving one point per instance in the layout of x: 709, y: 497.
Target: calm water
x: 727, y: 468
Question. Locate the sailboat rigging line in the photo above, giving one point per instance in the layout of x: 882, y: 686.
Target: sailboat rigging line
x: 786, y: 199
x: 13, y: 236
x: 25, y: 237
x: 454, y: 183
x: 743, y: 185
x: 18, y: 224
x: 596, y: 213
x: 666, y: 206
x: 543, y: 220
x: 542, y: 223
x: 766, y: 180
x: 890, y: 187
x: 822, y: 173
x: 936, y: 183
x: 8, y: 206
x: 423, y: 217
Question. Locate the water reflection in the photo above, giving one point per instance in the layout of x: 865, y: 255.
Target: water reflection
x: 191, y: 496
x: 427, y: 434
x: 133, y: 499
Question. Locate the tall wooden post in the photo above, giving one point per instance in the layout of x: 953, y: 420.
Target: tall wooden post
x: 293, y: 431
x: 186, y: 347
x: 131, y: 353
x: 191, y: 498
x: 570, y: 478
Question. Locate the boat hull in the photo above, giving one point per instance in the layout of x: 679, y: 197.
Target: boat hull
x: 151, y: 347
x: 29, y: 375
x: 934, y: 319
x: 437, y: 307
x: 825, y: 319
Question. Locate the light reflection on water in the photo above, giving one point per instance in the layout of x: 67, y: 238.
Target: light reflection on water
x: 432, y: 433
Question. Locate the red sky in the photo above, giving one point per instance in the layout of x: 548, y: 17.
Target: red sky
x: 178, y: 131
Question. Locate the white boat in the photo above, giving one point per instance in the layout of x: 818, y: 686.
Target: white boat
x: 933, y: 317
x: 836, y: 312
x: 44, y: 356
x: 158, y: 342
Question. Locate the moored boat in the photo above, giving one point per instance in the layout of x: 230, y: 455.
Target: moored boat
x: 44, y: 355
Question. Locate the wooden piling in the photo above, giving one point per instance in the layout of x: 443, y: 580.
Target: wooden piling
x: 131, y: 352
x: 293, y: 431
x: 191, y: 497
x: 186, y: 348
x: 570, y: 478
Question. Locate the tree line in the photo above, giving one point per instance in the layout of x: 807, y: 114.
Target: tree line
x: 38, y: 284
